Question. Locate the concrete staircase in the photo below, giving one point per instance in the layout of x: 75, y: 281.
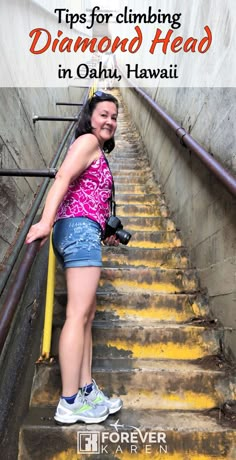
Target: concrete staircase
x: 155, y: 343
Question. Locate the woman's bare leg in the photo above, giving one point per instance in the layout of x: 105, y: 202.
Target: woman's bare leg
x: 86, y: 365
x: 82, y: 284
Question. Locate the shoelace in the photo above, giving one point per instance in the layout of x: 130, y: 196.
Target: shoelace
x: 83, y: 399
x: 98, y: 391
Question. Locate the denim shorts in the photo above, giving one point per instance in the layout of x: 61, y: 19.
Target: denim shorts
x: 77, y: 242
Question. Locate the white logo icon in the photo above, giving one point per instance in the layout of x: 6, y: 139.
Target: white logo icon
x: 88, y: 443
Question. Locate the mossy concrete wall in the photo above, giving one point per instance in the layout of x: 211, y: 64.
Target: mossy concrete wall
x: 201, y: 207
x: 25, y: 145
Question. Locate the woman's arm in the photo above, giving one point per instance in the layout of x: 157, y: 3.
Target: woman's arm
x: 80, y: 155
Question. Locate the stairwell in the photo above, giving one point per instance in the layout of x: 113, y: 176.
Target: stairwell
x: 155, y: 343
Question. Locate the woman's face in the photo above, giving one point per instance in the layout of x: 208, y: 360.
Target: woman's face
x: 104, y: 121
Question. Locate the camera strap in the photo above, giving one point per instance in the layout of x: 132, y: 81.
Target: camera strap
x: 112, y: 199
x: 113, y: 203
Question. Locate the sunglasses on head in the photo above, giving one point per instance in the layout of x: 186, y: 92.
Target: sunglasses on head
x: 101, y: 94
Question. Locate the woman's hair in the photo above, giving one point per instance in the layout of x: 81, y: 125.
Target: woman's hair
x: 84, y: 123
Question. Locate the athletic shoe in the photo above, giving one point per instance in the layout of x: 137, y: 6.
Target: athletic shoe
x: 97, y: 398
x: 80, y: 411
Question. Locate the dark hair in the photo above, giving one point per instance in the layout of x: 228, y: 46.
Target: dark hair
x: 84, y: 123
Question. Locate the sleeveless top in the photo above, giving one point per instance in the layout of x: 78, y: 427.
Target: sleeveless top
x: 89, y: 195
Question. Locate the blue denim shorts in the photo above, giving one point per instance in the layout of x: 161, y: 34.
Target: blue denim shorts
x: 77, y: 242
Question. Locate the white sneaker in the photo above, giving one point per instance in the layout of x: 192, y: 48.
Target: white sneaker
x: 80, y: 411
x: 97, y: 398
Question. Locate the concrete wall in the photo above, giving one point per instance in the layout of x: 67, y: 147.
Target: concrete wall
x: 201, y: 207
x: 22, y: 143
x: 26, y: 145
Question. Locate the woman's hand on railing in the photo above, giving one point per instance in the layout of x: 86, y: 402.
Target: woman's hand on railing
x: 39, y: 231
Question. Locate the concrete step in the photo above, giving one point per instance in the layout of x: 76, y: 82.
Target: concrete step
x: 156, y: 240
x: 128, y: 162
x: 136, y: 189
x: 132, y: 179
x: 173, y: 341
x: 143, y: 307
x: 145, y: 172
x: 129, y: 339
x: 175, y: 435
x: 126, y: 155
x: 144, y: 384
x: 151, y: 223
x: 125, y: 150
x: 127, y: 128
x: 131, y: 256
x: 130, y: 169
x: 143, y: 280
x: 149, y: 280
x: 141, y: 210
x: 131, y: 198
x: 133, y: 155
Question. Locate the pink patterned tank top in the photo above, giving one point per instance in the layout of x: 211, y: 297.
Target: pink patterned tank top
x: 89, y: 195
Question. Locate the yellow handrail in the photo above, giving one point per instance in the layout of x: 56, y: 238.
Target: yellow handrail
x: 47, y: 331
x: 92, y: 90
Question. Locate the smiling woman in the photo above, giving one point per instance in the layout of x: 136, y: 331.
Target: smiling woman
x: 104, y: 121
x: 77, y: 207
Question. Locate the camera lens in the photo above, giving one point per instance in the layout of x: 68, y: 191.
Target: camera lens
x: 123, y: 236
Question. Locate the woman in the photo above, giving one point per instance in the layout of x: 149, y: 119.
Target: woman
x: 78, y: 205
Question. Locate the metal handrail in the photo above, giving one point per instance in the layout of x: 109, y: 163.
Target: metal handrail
x: 68, y: 103
x: 224, y: 176
x: 52, y: 118
x: 16, y: 289
x: 50, y: 172
x: 227, y: 179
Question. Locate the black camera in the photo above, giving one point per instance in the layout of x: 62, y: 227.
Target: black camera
x: 114, y: 227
